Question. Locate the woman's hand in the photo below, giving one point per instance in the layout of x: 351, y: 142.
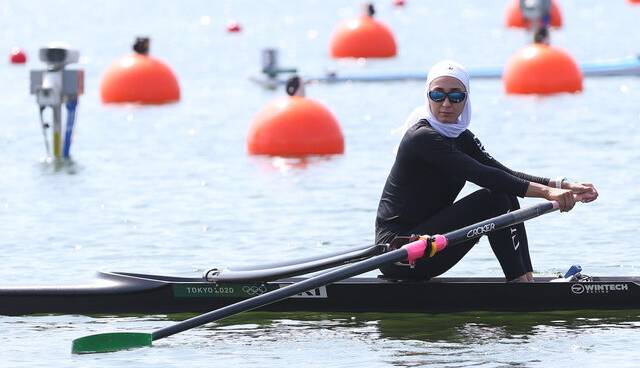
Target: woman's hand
x: 586, y: 192
x: 567, y: 196
x: 564, y: 197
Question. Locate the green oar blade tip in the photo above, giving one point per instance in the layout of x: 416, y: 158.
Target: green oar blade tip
x: 112, y: 341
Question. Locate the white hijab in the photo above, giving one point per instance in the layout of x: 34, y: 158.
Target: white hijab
x: 452, y: 130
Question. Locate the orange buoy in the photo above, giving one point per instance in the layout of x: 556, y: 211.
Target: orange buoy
x: 295, y: 126
x: 17, y: 56
x: 363, y: 37
x: 139, y: 78
x: 515, y: 19
x: 541, y: 69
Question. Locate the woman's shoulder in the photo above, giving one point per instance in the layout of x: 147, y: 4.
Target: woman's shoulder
x: 421, y: 136
x: 424, y: 132
x: 467, y: 134
x: 422, y: 127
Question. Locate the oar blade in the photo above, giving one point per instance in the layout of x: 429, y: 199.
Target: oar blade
x: 112, y: 341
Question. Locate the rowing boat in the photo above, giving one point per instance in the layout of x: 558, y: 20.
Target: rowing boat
x: 130, y: 293
x: 285, y: 286
x: 627, y: 66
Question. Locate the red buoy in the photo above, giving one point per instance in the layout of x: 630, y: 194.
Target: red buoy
x: 541, y: 69
x: 634, y: 1
x: 139, y: 78
x: 363, y: 37
x: 515, y: 19
x: 17, y: 56
x: 398, y: 2
x: 233, y: 27
x: 295, y: 126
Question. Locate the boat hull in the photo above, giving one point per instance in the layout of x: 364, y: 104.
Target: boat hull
x: 124, y: 293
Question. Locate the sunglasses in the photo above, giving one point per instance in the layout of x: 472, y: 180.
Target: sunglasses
x: 454, y: 97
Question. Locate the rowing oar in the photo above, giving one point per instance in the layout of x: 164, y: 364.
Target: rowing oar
x: 425, y: 246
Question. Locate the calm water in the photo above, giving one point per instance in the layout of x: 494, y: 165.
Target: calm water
x: 171, y: 190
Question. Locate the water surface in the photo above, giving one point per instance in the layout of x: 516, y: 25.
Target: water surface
x: 171, y: 190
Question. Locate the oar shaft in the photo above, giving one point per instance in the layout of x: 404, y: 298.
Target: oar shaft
x: 368, y: 249
x: 500, y: 222
x: 289, y: 269
x: 285, y: 292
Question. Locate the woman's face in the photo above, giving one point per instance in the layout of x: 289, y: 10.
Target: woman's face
x: 446, y: 111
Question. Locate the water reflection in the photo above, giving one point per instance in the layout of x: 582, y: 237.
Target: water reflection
x: 472, y: 327
x: 260, y: 339
x: 59, y: 166
x: 482, y: 327
x: 416, y: 340
x: 286, y: 164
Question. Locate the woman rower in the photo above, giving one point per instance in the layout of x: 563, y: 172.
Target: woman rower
x: 436, y: 157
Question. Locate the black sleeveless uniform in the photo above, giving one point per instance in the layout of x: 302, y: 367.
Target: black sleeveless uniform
x: 418, y: 198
